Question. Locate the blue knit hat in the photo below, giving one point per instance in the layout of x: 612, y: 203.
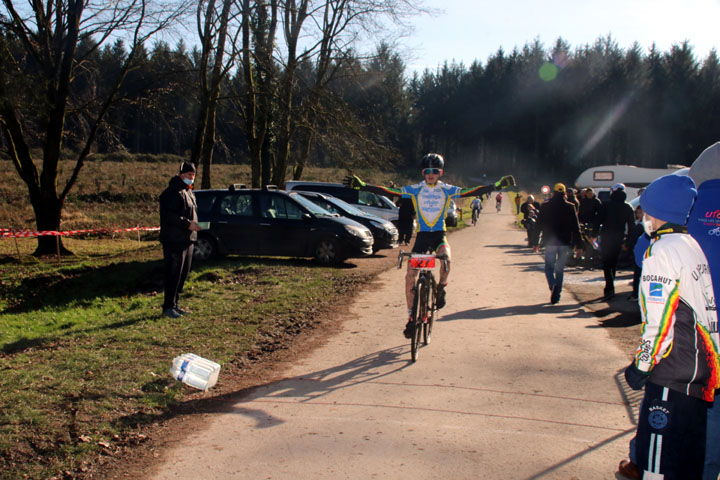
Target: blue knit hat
x: 669, y: 198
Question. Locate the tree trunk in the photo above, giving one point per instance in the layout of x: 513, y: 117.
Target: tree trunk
x: 305, y: 147
x: 209, y: 146
x: 48, y: 212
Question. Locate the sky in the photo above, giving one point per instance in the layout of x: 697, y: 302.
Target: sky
x: 468, y: 30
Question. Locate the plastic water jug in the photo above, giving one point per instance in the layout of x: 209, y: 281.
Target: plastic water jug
x: 195, y: 371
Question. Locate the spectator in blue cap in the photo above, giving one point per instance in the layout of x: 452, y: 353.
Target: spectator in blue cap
x: 677, y: 360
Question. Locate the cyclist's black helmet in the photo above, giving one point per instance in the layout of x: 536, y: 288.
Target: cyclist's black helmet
x: 433, y: 160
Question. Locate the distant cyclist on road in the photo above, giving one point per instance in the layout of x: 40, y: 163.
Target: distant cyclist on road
x: 475, y: 208
x: 498, y: 201
x: 431, y: 199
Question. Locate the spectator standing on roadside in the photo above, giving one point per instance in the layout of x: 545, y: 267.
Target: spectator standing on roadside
x: 589, y: 207
x: 178, y: 227
x: 638, y: 241
x: 530, y: 210
x: 704, y: 226
x: 406, y: 217
x: 615, y: 219
x: 517, y: 204
x: 559, y: 225
x: 571, y: 197
x: 677, y: 360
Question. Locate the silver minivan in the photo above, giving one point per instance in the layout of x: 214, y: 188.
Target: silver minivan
x: 369, y: 202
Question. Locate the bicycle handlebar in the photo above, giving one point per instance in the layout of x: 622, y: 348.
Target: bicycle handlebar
x: 440, y: 256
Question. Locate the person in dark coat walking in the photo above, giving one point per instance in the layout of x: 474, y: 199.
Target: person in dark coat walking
x: 406, y: 216
x: 614, y: 221
x: 559, y: 225
x: 178, y: 234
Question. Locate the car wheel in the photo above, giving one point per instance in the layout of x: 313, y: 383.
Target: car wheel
x: 204, y: 248
x: 327, y: 251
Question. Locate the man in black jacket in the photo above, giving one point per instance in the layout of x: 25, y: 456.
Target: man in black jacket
x: 589, y: 206
x: 178, y: 227
x: 559, y: 225
x: 615, y: 219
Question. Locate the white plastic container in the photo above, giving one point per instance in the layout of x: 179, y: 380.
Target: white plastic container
x: 195, y: 371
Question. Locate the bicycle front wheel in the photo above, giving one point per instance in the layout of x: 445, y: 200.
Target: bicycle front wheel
x: 419, y: 312
x: 430, y: 313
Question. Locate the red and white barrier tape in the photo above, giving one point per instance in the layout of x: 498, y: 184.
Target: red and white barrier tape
x: 7, y: 233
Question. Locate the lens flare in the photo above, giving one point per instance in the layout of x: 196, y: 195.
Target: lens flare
x: 610, y: 119
x: 548, y: 72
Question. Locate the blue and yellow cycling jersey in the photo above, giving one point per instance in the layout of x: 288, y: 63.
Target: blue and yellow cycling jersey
x: 431, y: 203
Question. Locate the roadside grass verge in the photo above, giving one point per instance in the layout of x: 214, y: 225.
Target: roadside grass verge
x: 84, y: 353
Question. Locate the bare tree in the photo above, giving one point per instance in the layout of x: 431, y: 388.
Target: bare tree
x: 317, y: 32
x: 43, y: 45
x: 213, y: 28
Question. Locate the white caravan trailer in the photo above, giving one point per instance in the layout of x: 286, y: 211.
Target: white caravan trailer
x: 603, y: 177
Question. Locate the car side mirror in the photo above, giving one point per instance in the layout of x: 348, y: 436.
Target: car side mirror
x: 307, y: 218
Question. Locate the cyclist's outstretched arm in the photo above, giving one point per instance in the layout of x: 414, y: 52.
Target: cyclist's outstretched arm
x: 506, y: 181
x: 353, y: 181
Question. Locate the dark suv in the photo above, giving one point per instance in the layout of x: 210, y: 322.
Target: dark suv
x: 276, y: 223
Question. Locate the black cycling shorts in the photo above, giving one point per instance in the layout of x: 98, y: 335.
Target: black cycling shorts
x: 428, y: 242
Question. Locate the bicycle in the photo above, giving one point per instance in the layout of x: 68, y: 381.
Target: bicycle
x: 475, y: 213
x: 423, y: 309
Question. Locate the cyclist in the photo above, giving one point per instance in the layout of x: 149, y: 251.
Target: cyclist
x: 476, y: 207
x: 498, y: 201
x: 431, y: 199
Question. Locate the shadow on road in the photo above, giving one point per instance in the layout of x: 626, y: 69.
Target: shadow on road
x: 571, y: 459
x: 631, y: 399
x: 482, y: 313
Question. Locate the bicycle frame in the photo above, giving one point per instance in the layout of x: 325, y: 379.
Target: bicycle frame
x: 423, y: 310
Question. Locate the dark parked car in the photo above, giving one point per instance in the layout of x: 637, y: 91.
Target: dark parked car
x: 384, y: 232
x: 451, y: 220
x: 370, y: 202
x: 276, y: 223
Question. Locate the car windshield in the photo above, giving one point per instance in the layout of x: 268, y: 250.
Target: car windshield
x: 342, y: 204
x: 387, y: 201
x: 314, y: 209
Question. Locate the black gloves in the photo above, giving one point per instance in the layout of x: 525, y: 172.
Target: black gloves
x: 635, y: 377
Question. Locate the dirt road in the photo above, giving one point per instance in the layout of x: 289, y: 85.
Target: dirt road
x: 511, y: 387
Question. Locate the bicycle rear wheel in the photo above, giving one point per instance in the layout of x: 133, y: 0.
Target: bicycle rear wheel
x: 419, y: 312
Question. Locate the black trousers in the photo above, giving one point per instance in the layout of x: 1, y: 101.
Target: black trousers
x: 610, y: 246
x: 533, y: 233
x: 671, y: 434
x: 178, y: 258
x: 637, y: 271
x: 405, y: 230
